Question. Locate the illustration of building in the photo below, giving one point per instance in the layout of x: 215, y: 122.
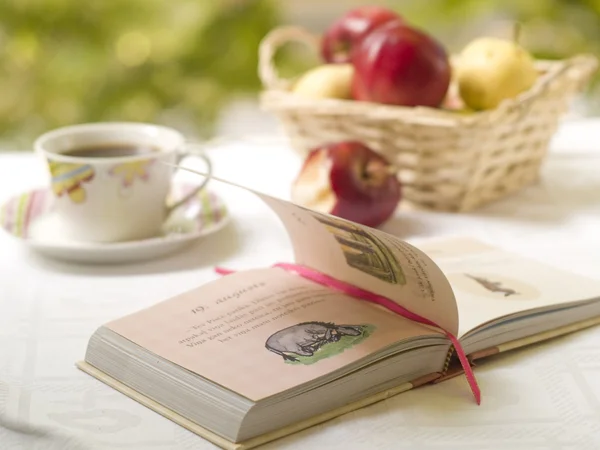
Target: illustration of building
x: 363, y: 250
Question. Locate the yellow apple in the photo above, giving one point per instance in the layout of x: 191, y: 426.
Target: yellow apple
x: 490, y: 70
x: 326, y: 81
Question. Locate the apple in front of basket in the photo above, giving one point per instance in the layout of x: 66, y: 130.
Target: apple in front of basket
x: 348, y: 180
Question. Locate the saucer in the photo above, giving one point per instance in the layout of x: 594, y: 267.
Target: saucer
x: 29, y: 217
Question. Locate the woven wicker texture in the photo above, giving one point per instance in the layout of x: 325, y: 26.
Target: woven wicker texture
x: 447, y: 160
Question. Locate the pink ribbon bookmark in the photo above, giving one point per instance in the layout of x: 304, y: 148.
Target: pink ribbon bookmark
x: 368, y: 296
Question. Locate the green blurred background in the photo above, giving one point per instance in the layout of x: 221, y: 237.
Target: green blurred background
x: 185, y: 62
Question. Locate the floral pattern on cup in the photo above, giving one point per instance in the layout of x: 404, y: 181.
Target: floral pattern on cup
x: 68, y: 179
x: 130, y: 171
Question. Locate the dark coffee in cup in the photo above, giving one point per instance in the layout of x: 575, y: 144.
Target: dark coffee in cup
x: 110, y: 151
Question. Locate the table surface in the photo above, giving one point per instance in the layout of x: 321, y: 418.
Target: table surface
x: 542, y: 397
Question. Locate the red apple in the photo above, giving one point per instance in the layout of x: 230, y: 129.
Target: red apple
x: 348, y: 180
x: 347, y: 31
x: 400, y: 65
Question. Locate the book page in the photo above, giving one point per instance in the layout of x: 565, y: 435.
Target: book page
x: 366, y: 257
x: 490, y: 283
x: 263, y: 331
x: 370, y: 259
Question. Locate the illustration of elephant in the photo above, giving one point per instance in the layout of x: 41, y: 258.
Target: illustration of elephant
x: 304, y: 339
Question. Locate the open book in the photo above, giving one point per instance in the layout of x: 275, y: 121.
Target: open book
x: 262, y: 353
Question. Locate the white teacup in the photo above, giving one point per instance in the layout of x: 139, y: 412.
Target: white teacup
x: 109, y: 180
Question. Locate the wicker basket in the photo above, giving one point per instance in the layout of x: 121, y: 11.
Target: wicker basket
x: 446, y: 160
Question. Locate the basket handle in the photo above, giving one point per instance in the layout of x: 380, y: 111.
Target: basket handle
x: 587, y: 65
x: 269, y: 45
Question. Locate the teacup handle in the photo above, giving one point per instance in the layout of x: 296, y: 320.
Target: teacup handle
x: 194, y: 192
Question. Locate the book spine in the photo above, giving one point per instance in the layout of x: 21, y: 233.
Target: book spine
x: 452, y: 367
x: 448, y: 360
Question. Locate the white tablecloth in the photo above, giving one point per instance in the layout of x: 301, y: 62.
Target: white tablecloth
x: 543, y: 397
